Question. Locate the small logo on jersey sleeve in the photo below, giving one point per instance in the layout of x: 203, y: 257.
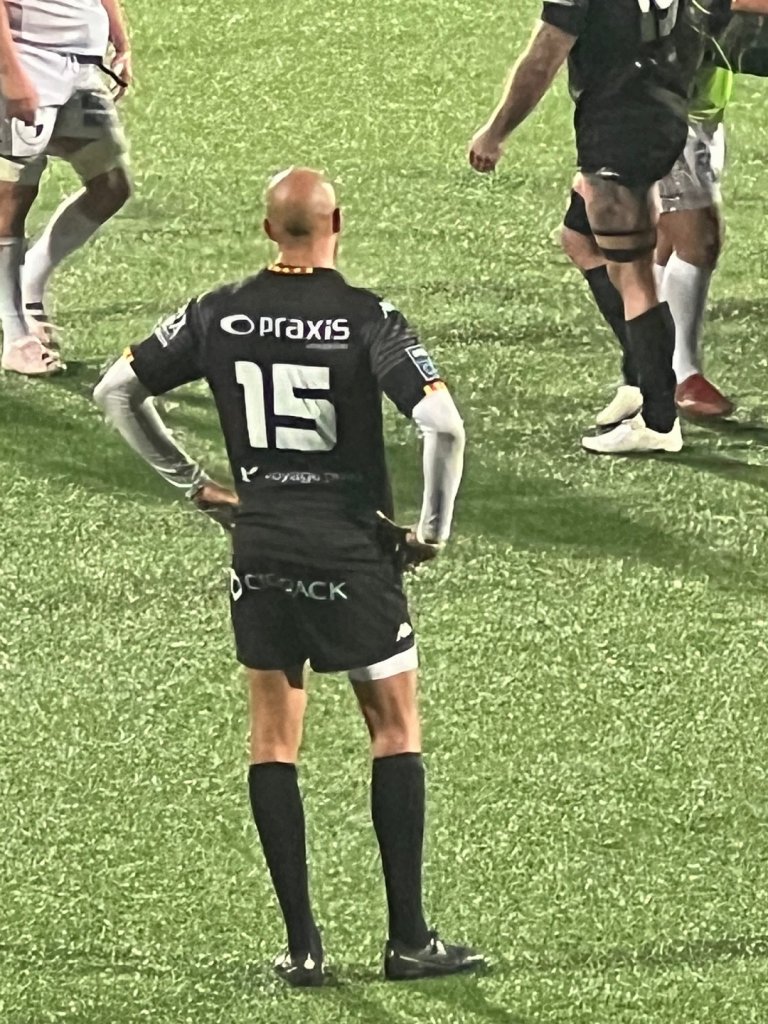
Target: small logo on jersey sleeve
x: 422, y: 360
x: 167, y: 330
x: 387, y: 308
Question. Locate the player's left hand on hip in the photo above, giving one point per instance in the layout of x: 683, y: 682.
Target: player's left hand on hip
x: 218, y: 503
x: 485, y: 151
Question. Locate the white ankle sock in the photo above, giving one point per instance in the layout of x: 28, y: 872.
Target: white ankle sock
x: 686, y: 289
x: 67, y: 230
x: 11, y: 307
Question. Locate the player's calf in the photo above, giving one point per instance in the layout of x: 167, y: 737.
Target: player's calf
x: 106, y: 194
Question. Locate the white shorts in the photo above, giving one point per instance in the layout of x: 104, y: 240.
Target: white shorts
x: 694, y: 181
x: 75, y: 104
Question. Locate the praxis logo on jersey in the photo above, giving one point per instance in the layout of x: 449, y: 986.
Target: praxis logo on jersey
x: 291, y: 328
x: 315, y: 590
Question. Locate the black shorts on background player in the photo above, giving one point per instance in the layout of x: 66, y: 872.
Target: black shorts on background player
x: 297, y: 363
x: 628, y: 85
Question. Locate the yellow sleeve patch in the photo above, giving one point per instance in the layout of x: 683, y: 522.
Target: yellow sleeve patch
x: 127, y: 354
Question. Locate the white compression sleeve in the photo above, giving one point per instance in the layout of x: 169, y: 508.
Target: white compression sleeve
x: 439, y: 422
x: 128, y: 406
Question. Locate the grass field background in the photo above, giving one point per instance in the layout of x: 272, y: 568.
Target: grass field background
x: 594, y: 644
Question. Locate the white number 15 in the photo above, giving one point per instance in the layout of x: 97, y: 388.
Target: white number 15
x: 319, y: 433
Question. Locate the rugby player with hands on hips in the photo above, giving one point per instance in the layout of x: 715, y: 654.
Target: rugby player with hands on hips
x: 297, y: 361
x: 56, y: 100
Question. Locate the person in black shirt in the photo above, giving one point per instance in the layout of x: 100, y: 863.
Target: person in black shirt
x: 629, y: 91
x: 296, y: 360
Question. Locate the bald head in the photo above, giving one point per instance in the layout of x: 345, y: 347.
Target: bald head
x: 301, y: 207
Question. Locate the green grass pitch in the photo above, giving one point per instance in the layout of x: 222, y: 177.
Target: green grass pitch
x: 594, y: 644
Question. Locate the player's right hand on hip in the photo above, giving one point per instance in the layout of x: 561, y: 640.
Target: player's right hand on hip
x: 409, y: 551
x: 20, y: 94
x: 485, y: 151
x: 122, y: 65
x: 218, y: 503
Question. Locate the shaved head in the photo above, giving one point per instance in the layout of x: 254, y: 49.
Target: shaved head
x: 301, y: 207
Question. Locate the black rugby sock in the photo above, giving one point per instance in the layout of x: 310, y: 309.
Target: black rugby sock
x: 611, y: 306
x: 397, y: 807
x: 652, y: 340
x: 279, y: 816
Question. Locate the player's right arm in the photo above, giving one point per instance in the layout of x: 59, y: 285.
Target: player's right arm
x: 530, y: 79
x: 410, y: 379
x: 17, y: 88
x: 166, y: 360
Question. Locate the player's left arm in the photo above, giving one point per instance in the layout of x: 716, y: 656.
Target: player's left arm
x: 409, y: 377
x: 528, y: 82
x: 166, y: 360
x: 122, y: 62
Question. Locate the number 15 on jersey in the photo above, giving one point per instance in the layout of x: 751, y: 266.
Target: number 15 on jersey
x: 296, y: 395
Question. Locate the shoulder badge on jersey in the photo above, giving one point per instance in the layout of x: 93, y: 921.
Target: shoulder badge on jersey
x: 422, y: 360
x: 386, y: 308
x: 167, y: 329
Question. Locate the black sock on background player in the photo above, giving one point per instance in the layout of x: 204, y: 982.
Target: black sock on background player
x: 611, y: 306
x: 397, y: 809
x: 652, y: 343
x: 279, y: 816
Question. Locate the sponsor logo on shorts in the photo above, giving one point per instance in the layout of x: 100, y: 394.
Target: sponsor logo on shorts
x: 315, y: 590
x: 235, y: 586
x: 422, y: 360
x: 406, y: 630
x: 287, y: 327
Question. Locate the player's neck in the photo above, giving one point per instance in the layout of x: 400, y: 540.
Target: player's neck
x: 321, y: 256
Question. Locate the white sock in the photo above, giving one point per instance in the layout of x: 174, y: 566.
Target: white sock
x: 67, y: 230
x: 686, y: 289
x: 11, y: 307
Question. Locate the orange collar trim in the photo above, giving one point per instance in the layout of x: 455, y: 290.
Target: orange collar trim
x: 282, y: 268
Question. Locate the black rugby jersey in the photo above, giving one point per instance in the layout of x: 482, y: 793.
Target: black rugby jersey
x: 296, y: 360
x: 625, y: 50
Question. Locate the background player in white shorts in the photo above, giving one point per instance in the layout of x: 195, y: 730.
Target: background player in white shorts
x: 690, y: 238
x: 54, y: 101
